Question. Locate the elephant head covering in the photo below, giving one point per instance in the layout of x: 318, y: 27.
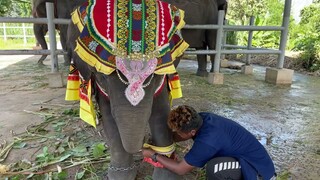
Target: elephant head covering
x: 124, y: 31
x: 139, y: 38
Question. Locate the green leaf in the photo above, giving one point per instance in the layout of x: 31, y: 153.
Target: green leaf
x: 80, y: 151
x: 30, y: 176
x: 19, y: 145
x: 64, y: 157
x: 98, y: 150
x: 42, y: 140
x: 80, y: 175
x: 62, y: 175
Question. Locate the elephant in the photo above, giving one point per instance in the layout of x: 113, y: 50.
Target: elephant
x: 132, y: 89
x: 62, y: 9
x: 201, y: 12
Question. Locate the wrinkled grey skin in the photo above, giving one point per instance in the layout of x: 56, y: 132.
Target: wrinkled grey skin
x: 63, y: 8
x: 125, y: 125
x: 200, y: 12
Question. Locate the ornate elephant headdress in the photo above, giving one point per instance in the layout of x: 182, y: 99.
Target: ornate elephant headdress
x: 136, y: 37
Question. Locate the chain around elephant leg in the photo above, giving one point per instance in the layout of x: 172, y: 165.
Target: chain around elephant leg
x: 123, y: 173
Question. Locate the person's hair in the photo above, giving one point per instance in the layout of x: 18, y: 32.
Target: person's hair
x: 184, y: 118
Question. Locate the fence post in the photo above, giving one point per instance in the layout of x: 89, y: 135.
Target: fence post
x: 24, y: 34
x: 224, y: 41
x: 52, y: 37
x: 284, y: 33
x: 248, y: 57
x: 216, y: 67
x: 4, y: 32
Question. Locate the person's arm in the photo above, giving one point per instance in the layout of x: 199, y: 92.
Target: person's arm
x: 178, y: 167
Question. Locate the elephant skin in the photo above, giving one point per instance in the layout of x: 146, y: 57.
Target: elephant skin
x: 198, y: 13
x: 62, y: 9
x: 124, y: 124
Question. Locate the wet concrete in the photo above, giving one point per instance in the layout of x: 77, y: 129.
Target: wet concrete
x: 284, y: 118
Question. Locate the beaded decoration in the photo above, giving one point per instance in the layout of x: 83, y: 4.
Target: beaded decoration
x: 137, y: 37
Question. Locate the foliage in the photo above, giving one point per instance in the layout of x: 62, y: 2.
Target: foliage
x: 240, y: 11
x: 17, y: 8
x: 265, y: 12
x: 308, y: 37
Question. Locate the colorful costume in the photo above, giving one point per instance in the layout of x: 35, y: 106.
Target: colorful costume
x: 136, y: 37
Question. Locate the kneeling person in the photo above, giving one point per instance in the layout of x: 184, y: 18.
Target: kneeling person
x: 228, y: 150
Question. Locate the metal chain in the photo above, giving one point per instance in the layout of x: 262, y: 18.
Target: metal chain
x: 134, y: 165
x: 127, y: 83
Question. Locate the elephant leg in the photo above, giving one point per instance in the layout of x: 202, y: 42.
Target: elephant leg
x: 40, y: 31
x: 63, y: 39
x: 122, y: 166
x: 212, y: 62
x: 202, y: 65
x: 211, y: 36
x: 161, y: 135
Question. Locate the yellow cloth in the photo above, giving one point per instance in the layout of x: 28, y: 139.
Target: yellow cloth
x: 168, y: 150
x: 87, y: 112
x: 79, y: 89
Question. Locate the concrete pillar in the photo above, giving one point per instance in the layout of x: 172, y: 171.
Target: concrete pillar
x: 215, y: 78
x: 224, y: 63
x: 279, y: 76
x: 247, y: 69
x: 55, y: 80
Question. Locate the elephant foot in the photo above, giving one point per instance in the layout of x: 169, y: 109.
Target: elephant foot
x: 202, y: 73
x: 40, y: 63
x: 43, y: 57
x: 164, y: 174
x: 122, y: 173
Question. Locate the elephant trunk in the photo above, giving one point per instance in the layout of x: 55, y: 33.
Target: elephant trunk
x: 131, y: 124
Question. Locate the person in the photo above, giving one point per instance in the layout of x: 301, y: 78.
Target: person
x: 228, y: 150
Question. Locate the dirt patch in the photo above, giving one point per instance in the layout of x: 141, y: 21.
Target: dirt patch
x: 284, y: 118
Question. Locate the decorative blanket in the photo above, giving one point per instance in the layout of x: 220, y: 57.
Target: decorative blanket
x: 132, y: 30
x: 139, y: 38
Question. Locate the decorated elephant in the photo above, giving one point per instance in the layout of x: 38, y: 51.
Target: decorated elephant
x: 62, y: 9
x: 124, y: 56
x: 200, y: 12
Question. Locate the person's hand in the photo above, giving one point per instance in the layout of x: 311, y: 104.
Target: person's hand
x: 146, y: 152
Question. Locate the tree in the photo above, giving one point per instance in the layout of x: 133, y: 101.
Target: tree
x: 5, y: 6
x: 308, y: 37
x: 17, y: 8
x: 266, y: 13
x: 240, y: 11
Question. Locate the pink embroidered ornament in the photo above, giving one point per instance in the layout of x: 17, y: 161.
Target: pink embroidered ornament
x: 136, y: 71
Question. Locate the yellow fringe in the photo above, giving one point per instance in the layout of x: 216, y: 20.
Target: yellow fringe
x: 182, y: 22
x: 87, y: 112
x: 175, y: 89
x: 76, y: 19
x: 168, y: 150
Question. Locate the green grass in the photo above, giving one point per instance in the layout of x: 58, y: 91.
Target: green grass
x: 17, y: 43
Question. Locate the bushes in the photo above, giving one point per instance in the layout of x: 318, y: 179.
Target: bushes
x: 307, y: 39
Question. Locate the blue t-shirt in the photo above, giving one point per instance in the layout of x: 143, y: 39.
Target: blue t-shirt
x: 219, y: 136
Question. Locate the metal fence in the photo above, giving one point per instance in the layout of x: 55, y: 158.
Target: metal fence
x: 220, y: 46
x: 24, y: 32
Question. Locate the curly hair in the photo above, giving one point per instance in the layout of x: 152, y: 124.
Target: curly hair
x: 184, y: 118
